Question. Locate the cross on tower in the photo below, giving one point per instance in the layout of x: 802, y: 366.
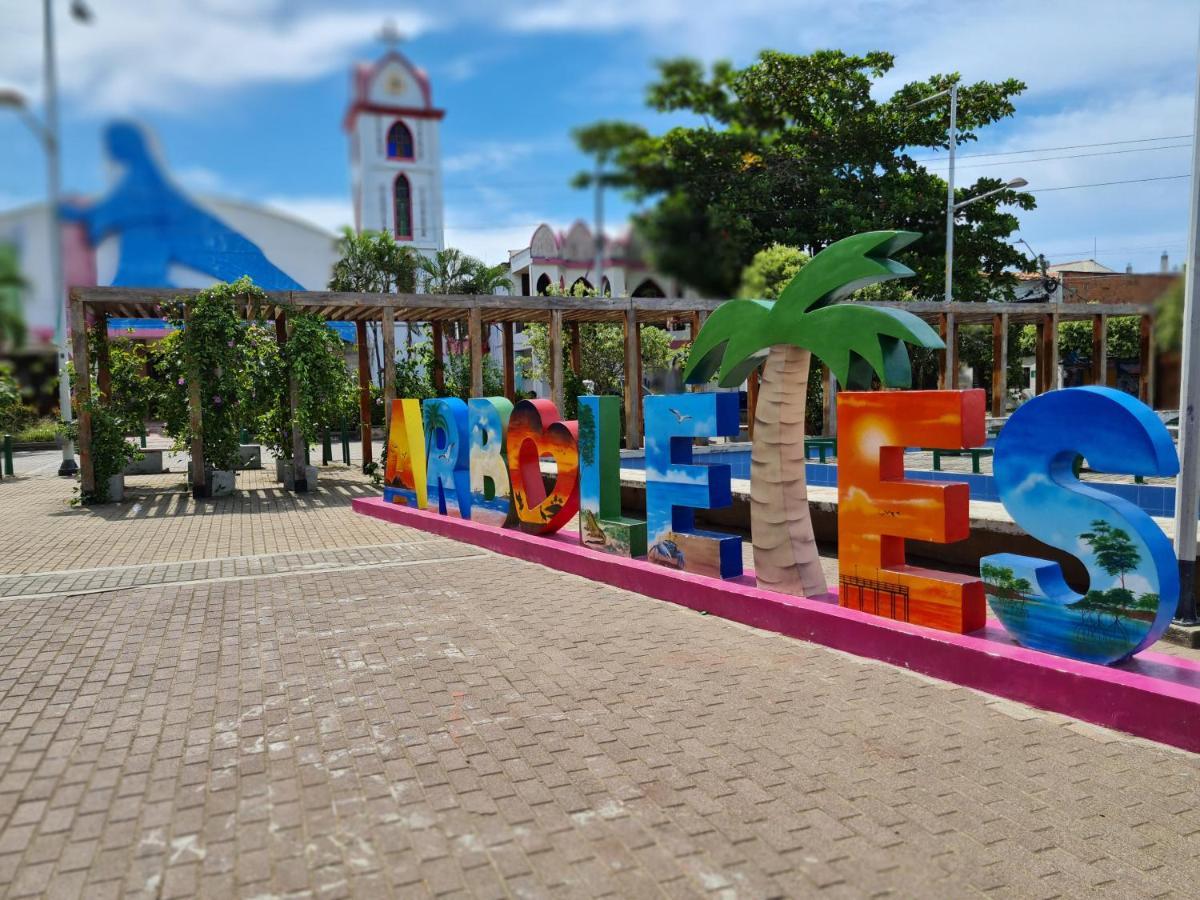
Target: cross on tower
x: 390, y: 34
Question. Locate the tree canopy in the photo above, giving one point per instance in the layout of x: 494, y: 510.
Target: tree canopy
x: 795, y: 150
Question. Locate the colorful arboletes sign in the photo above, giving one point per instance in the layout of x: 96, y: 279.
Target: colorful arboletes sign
x: 483, y: 459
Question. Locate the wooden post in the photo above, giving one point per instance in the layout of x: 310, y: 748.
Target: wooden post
x: 103, y: 371
x: 83, y: 394
x: 1100, y: 350
x: 948, y: 356
x: 364, y: 393
x: 439, y: 373
x: 1050, y: 352
x: 999, y: 363
x: 299, y: 443
x: 556, y: 360
x: 1146, y: 360
x: 200, y: 485
x: 829, y: 395
x: 475, y: 341
x: 1039, y: 357
x: 510, y: 369
x: 389, y: 369
x: 576, y: 349
x: 751, y: 402
x: 633, y: 387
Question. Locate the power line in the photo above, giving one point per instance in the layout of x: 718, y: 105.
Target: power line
x: 1071, y: 187
x: 1169, y: 137
x: 1021, y: 162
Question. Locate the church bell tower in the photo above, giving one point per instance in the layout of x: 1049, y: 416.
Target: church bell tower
x: 395, y: 152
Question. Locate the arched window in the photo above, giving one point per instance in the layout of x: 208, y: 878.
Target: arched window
x: 400, y: 142
x: 402, y: 204
x: 543, y: 284
x: 580, y: 282
x: 648, y: 288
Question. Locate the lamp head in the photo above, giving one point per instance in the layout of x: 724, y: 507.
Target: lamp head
x: 11, y: 98
x: 1017, y: 183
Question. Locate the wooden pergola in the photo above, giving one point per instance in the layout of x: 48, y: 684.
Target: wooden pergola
x: 92, y: 306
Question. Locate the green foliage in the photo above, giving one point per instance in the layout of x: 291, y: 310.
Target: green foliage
x: 770, y: 271
x: 451, y: 271
x: 208, y: 351
x: 39, y: 431
x: 602, y: 358
x: 14, y: 414
x: 1168, y: 325
x: 133, y: 391
x: 1115, y: 551
x: 372, y: 262
x: 1075, y: 339
x: 12, y: 287
x: 797, y: 150
x: 314, y: 356
x: 111, y: 452
x: 855, y: 341
x: 171, y: 397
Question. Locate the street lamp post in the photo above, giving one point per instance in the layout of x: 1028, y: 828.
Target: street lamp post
x: 1187, y: 487
x: 952, y: 208
x: 47, y: 133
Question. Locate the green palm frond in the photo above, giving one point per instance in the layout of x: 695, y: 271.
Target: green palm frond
x: 726, y: 343
x: 853, y: 340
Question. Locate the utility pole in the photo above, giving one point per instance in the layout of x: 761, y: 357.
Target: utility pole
x: 599, y: 265
x: 1187, y: 497
x: 53, y: 190
x: 950, y: 194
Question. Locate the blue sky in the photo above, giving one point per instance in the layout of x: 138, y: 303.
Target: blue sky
x: 247, y: 97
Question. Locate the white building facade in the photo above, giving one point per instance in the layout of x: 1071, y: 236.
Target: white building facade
x: 395, y: 153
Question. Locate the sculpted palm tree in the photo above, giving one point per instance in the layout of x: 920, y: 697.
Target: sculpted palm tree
x: 856, y: 341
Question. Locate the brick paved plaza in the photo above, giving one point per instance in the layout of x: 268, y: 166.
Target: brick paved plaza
x: 267, y: 696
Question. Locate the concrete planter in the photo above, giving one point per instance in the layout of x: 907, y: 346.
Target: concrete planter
x: 116, y: 488
x: 289, y: 482
x: 222, y: 482
x: 151, y: 463
x: 251, y: 456
x: 281, y: 466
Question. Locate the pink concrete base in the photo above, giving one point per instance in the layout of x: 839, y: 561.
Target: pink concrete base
x: 1154, y: 696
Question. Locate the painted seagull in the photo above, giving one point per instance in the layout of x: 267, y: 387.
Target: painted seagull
x: 678, y: 415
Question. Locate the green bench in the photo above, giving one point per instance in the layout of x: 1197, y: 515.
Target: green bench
x: 822, y: 445
x: 977, y: 453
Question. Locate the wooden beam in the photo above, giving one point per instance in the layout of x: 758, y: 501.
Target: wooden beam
x: 389, y: 370
x: 576, y: 349
x: 633, y: 399
x: 1099, y: 350
x: 200, y: 485
x: 475, y: 343
x: 999, y: 363
x: 103, y: 370
x: 510, y: 368
x: 556, y: 360
x: 1146, y: 361
x: 438, y: 375
x: 83, y: 395
x: 364, y: 393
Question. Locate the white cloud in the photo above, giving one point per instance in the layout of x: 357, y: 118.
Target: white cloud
x: 491, y: 243
x: 166, y: 54
x: 488, y: 157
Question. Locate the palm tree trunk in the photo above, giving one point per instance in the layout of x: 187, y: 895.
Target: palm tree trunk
x: 785, y: 552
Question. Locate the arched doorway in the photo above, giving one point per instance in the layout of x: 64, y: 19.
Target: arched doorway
x: 543, y: 284
x: 577, y: 283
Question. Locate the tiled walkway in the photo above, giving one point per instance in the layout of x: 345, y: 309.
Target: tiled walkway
x: 272, y: 697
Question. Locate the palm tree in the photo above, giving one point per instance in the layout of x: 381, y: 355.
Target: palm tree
x: 854, y: 340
